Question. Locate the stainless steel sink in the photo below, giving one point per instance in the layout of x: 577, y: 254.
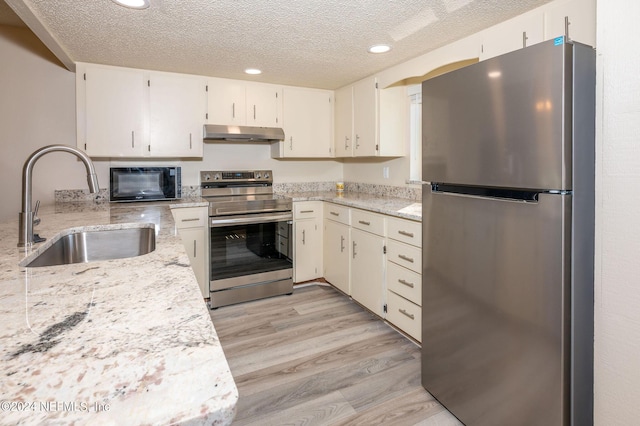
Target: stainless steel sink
x: 92, y: 245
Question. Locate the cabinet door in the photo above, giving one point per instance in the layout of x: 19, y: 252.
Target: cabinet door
x: 336, y: 246
x: 111, y: 124
x: 308, y: 250
x: 508, y: 36
x: 227, y: 102
x: 367, y: 270
x: 365, y: 117
x: 194, y: 240
x: 177, y: 111
x: 343, y: 142
x: 581, y: 15
x: 263, y: 105
x: 307, y: 120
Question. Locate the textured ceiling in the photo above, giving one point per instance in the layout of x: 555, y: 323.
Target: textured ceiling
x: 312, y: 43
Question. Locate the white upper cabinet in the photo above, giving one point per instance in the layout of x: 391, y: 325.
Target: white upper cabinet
x: 227, y: 102
x: 521, y: 31
x: 241, y: 103
x: 264, y: 105
x: 378, y: 118
x: 581, y: 20
x: 177, y: 111
x: 343, y: 106
x: 111, y: 111
x: 131, y: 113
x: 307, y: 122
x: 365, y: 117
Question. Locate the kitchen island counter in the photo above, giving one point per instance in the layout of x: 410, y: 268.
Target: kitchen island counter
x: 125, y: 341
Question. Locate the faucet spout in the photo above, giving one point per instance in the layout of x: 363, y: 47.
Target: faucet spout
x: 25, y: 231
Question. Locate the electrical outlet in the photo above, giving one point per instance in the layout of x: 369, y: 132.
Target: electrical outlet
x: 385, y: 172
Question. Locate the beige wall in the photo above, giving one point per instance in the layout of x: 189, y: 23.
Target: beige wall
x: 617, y: 294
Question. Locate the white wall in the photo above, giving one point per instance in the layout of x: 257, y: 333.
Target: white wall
x: 617, y: 307
x: 37, y: 108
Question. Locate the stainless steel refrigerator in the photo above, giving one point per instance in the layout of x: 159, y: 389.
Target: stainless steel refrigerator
x: 508, y: 237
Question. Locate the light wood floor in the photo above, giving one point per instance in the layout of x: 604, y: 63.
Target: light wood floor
x: 318, y: 358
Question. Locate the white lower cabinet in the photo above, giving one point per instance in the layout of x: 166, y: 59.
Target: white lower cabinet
x: 368, y: 260
x: 192, y: 226
x: 337, y: 251
x: 307, y: 245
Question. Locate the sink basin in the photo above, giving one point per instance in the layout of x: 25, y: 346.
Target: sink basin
x: 92, y: 245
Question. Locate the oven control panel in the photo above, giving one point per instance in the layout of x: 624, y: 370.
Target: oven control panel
x: 257, y: 176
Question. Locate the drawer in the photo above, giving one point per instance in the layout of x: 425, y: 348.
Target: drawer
x: 407, y: 231
x: 405, y: 255
x: 190, y: 217
x: 405, y: 315
x: 367, y: 221
x: 404, y: 282
x: 337, y: 213
x: 307, y: 209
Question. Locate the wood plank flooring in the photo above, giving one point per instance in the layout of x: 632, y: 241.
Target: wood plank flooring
x: 318, y: 358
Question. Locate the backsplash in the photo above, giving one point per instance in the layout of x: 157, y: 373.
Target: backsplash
x: 412, y: 193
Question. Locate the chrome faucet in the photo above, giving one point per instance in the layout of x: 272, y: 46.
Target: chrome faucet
x: 26, y: 216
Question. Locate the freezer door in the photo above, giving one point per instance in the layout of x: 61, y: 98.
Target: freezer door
x: 496, y: 285
x: 500, y: 122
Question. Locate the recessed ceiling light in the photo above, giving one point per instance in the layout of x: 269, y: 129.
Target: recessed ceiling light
x: 253, y: 71
x: 379, y: 48
x: 133, y: 4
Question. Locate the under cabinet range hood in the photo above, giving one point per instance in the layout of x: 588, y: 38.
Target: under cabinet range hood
x: 223, y: 132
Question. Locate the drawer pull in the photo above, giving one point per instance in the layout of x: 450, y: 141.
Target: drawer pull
x: 405, y: 313
x: 334, y: 213
x: 306, y: 211
x: 406, y: 234
x: 408, y: 284
x: 363, y: 222
x: 192, y: 219
x: 403, y: 257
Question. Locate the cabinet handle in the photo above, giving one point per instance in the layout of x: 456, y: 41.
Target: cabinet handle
x: 357, y: 141
x: 194, y: 248
x: 346, y: 142
x: 306, y: 211
x: 254, y: 112
x: 403, y: 312
x: 191, y: 219
x: 341, y: 243
x: 354, y: 250
x: 403, y: 257
x: 190, y: 142
x: 406, y: 234
x: 290, y: 142
x: 133, y: 138
x: 363, y: 222
x: 408, y: 284
x: 303, y: 237
x: 233, y: 110
x: 334, y: 213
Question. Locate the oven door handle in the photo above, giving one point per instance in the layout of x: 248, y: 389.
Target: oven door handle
x: 215, y: 222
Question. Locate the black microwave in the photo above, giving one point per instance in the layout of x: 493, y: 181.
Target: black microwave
x: 144, y: 183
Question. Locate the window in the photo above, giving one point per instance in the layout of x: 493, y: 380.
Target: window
x: 415, y: 132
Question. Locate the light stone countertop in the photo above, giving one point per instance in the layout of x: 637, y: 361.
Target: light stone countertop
x: 399, y: 207
x: 126, y: 341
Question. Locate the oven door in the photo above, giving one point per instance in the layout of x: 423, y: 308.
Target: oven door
x: 249, y: 249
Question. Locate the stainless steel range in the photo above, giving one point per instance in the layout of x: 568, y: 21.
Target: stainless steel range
x: 249, y: 231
